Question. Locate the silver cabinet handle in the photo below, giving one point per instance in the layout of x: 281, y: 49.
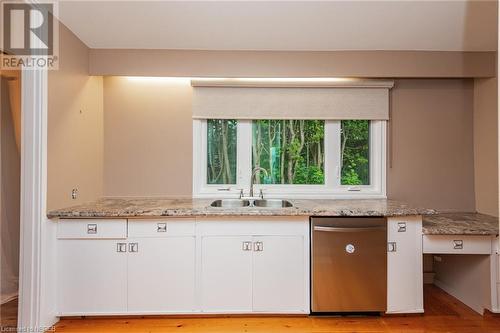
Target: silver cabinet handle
x: 133, y: 247
x: 258, y: 246
x: 391, y: 247
x: 458, y: 244
x: 401, y: 226
x: 347, y: 229
x: 91, y: 228
x: 247, y: 246
x: 121, y: 247
x: 161, y: 227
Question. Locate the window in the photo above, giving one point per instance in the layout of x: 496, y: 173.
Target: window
x: 299, y: 158
x: 355, y: 152
x: 221, y: 151
x: 290, y: 150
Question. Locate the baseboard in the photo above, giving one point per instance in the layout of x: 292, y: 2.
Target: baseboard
x: 417, y: 311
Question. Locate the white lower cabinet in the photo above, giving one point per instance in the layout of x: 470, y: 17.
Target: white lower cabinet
x: 174, y: 265
x: 226, y: 274
x: 404, y: 265
x: 161, y: 275
x: 92, y: 276
x: 279, y: 274
x: 253, y: 274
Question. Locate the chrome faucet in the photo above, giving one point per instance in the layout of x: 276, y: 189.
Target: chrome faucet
x: 252, y: 179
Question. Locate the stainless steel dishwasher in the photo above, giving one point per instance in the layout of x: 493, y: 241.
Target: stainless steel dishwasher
x: 349, y: 264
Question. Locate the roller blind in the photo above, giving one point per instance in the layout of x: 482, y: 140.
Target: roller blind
x: 337, y: 102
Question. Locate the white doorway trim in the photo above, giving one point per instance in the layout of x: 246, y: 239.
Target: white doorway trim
x: 33, y: 198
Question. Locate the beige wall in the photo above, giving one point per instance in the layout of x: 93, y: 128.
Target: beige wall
x: 147, y: 137
x: 75, y: 126
x: 148, y: 141
x: 432, y: 149
x: 374, y: 64
x: 10, y: 181
x: 486, y: 146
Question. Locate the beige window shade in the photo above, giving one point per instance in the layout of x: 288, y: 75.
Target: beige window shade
x: 291, y: 102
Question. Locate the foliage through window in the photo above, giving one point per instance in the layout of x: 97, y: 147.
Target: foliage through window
x: 355, y: 152
x: 292, y: 151
x: 221, y: 151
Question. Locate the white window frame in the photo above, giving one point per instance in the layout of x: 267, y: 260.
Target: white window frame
x: 332, y: 188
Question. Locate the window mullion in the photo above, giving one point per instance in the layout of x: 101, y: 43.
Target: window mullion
x: 244, y: 153
x: 199, y: 155
x: 332, y: 154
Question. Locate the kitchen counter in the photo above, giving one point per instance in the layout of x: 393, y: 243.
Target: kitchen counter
x: 460, y: 224
x: 154, y: 207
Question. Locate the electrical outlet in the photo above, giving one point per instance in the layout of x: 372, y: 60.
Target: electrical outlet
x: 74, y: 193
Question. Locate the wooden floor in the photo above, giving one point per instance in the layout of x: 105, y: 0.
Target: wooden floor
x: 8, y: 316
x: 443, y: 314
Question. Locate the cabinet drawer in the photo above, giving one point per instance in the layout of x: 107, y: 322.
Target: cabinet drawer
x: 91, y: 229
x: 158, y: 228
x: 459, y: 244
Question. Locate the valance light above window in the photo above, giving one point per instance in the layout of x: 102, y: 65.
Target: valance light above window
x: 358, y: 99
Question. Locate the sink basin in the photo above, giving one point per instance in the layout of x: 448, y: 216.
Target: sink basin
x: 272, y: 203
x: 230, y: 203
x: 262, y: 203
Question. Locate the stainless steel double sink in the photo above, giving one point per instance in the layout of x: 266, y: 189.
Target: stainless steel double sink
x: 241, y: 203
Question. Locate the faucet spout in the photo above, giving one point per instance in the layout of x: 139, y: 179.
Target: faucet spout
x: 252, y: 178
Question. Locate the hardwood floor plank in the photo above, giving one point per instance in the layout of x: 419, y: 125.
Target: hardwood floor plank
x: 8, y: 316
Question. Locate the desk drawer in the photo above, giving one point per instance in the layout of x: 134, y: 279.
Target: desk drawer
x: 456, y: 244
x: 159, y: 228
x: 91, y: 229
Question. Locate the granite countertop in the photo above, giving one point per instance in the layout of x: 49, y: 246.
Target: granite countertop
x: 154, y: 207
x: 460, y: 224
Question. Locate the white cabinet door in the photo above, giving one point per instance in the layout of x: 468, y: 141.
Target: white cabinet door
x: 404, y: 265
x: 92, y: 277
x: 279, y: 274
x: 161, y: 275
x: 226, y: 274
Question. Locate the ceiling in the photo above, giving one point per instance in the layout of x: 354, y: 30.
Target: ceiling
x: 456, y: 25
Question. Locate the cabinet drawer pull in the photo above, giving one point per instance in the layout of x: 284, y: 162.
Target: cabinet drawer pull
x: 458, y: 244
x: 247, y: 246
x: 258, y: 246
x: 133, y: 247
x: 91, y: 228
x: 401, y: 226
x: 391, y: 247
x: 121, y: 247
x: 161, y: 227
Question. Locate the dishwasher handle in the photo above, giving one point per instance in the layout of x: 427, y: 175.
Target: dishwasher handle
x: 348, y: 229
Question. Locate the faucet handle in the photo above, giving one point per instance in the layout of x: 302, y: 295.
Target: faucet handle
x: 241, y: 192
x: 261, y: 194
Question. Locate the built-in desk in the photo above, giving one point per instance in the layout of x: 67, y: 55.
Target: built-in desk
x: 465, y: 262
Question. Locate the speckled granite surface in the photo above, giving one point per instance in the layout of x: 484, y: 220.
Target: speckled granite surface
x: 460, y: 224
x: 113, y: 208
